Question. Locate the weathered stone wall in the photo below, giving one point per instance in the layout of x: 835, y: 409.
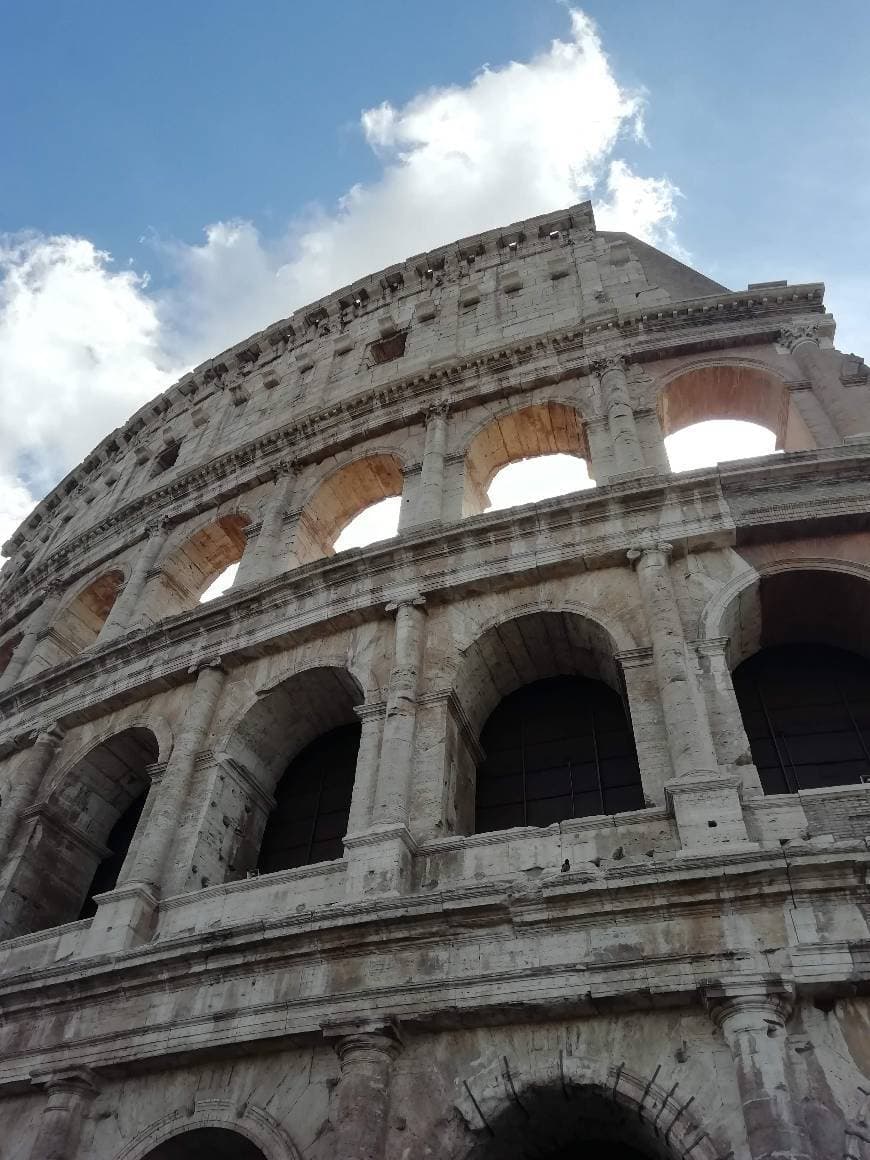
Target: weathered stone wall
x: 687, y: 978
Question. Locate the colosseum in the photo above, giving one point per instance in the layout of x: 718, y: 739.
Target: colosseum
x: 526, y: 833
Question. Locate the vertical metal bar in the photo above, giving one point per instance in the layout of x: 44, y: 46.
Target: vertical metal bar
x: 571, y: 786
x: 790, y: 781
x: 595, y: 755
x: 315, y: 817
x: 523, y: 764
x: 853, y: 722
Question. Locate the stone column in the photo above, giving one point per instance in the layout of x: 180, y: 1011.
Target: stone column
x: 752, y: 1019
x: 39, y: 621
x: 689, y: 739
x: 430, y: 497
x: 60, y: 1125
x: 361, y: 1101
x: 154, y: 847
x: 124, y: 613
x: 706, y: 803
x: 365, y: 782
x: 616, y: 402
x: 27, y: 779
x: 269, y: 555
x: 802, y: 341
x: 392, y: 804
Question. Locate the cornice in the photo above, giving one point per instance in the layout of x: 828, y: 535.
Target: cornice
x: 741, y: 318
x: 559, y: 908
x: 444, y: 560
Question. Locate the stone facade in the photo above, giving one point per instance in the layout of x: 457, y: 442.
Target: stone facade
x: 687, y: 979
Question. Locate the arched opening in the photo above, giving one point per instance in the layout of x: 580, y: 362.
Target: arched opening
x: 299, y: 745
x: 206, y: 1144
x: 806, y: 711
x: 74, y: 844
x: 556, y: 749
x: 379, y: 521
x: 548, y: 435
x: 7, y: 650
x: 78, y: 624
x: 347, y: 493
x: 799, y: 643
x: 546, y: 733
x: 189, y: 571
x: 569, y: 1120
x: 717, y: 413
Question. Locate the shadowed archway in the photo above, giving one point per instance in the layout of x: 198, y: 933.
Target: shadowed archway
x: 206, y: 1144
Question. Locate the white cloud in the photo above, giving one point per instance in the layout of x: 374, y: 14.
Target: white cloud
x: 83, y: 344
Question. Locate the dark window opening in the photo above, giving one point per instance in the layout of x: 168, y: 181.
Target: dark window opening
x: 312, y: 803
x: 806, y: 711
x: 166, y: 458
x: 387, y: 349
x: 556, y: 749
x: 107, y: 873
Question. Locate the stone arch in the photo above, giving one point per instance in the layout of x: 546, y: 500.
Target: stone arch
x: 246, y: 1120
x: 736, y: 611
x: 515, y: 433
x: 511, y: 1105
x: 194, y: 559
x: 80, y: 619
x: 341, y: 495
x: 743, y: 389
x: 518, y: 649
x: 263, y: 749
x: 70, y: 845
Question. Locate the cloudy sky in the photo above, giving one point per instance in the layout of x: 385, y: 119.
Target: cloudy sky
x: 175, y: 176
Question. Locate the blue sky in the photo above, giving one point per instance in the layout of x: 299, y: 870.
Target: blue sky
x: 206, y: 146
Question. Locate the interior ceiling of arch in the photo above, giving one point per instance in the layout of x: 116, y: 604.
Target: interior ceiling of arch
x: 109, y: 778
x: 808, y: 604
x: 569, y: 1124
x: 342, y: 496
x: 292, y: 715
x: 206, y: 1144
x: 529, y: 648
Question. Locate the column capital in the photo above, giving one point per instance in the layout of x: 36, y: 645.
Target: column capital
x: 205, y: 664
x: 364, y: 1041
x: 156, y: 527
x: 77, y: 1080
x: 644, y: 551
x: 749, y: 1005
x: 603, y: 363
x: 412, y: 600
x: 52, y: 735
x: 286, y: 469
x: 794, y: 333
x: 439, y: 409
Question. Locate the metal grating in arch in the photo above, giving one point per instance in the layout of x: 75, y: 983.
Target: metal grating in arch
x: 555, y: 749
x: 806, y: 711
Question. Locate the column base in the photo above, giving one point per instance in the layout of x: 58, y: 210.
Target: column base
x: 379, y: 861
x: 125, y: 918
x: 709, y: 813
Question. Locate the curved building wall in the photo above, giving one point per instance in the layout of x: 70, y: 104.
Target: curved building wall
x: 688, y: 978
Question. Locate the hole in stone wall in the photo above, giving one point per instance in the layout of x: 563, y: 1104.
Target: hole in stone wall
x: 166, y: 459
x: 388, y: 349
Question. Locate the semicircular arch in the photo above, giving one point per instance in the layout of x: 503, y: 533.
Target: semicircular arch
x: 246, y: 1120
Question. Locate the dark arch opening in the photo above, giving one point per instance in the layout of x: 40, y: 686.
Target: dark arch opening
x: 806, y: 711
x: 118, y: 844
x: 207, y: 1144
x: 312, y: 803
x: 555, y: 749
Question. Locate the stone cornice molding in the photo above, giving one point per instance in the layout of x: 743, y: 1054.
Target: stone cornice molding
x: 203, y: 478
x: 284, y: 595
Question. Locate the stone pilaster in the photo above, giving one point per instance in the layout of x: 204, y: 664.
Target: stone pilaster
x: 801, y: 339
x: 269, y: 554
x: 124, y: 613
x: 49, y: 599
x: 60, y: 1124
x: 361, y: 1101
x: 431, y: 491
x: 392, y: 804
x: 127, y: 914
x: 365, y: 782
x: 706, y: 805
x: 752, y: 1018
x: 616, y: 402
x: 29, y: 775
